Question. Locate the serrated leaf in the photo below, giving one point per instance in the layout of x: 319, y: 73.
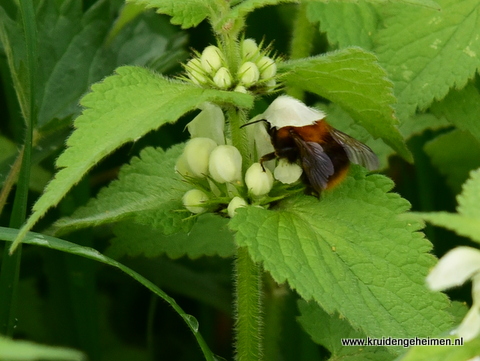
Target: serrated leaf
x: 208, y: 236
x: 9, y: 234
x: 328, y: 331
x: 187, y: 13
x: 461, y: 108
x: 148, y: 183
x: 454, y: 154
x: 426, y: 52
x: 351, y: 253
x: 121, y: 109
x: 352, y: 79
x: 467, y: 221
x: 357, y: 31
x: 19, y: 350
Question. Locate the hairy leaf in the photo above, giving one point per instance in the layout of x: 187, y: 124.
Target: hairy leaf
x: 426, y: 52
x: 352, y: 79
x: 350, y: 253
x: 121, y: 109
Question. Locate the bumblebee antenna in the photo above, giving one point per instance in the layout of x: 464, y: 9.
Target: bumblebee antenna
x: 255, y: 121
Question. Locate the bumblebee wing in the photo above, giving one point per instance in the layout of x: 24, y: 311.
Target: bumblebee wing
x: 315, y: 162
x: 357, y: 152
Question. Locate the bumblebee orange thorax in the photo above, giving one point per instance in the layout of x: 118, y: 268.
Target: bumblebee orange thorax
x: 317, y: 132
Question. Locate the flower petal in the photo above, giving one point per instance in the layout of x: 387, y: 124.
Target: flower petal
x: 287, y: 111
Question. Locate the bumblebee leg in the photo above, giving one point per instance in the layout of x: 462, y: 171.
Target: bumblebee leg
x: 266, y: 158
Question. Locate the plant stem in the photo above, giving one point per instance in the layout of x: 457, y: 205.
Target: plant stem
x: 9, y: 273
x: 248, y: 323
x: 302, y: 42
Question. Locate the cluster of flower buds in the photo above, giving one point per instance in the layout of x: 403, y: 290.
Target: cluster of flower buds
x: 256, y: 71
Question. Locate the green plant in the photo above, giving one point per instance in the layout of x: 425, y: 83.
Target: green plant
x: 353, y: 257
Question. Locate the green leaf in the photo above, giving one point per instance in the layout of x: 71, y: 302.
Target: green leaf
x: 426, y: 52
x: 9, y: 234
x: 16, y: 350
x: 441, y: 353
x: 467, y: 221
x: 328, y: 330
x: 208, y: 236
x: 455, y: 154
x: 121, y: 109
x: 187, y: 13
x: 351, y: 253
x: 352, y: 79
x: 461, y: 108
x: 357, y: 31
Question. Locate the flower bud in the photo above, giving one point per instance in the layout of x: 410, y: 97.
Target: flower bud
x: 195, y: 71
x: 225, y: 164
x: 267, y: 67
x: 259, y: 181
x: 193, y: 200
x: 248, y: 73
x: 196, y: 155
x: 235, y: 203
x: 211, y: 59
x: 240, y: 89
x: 287, y: 172
x: 222, y: 78
x: 249, y: 49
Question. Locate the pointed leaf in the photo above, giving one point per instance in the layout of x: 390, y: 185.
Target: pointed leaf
x: 352, y: 79
x: 426, y: 52
x: 121, y: 109
x: 187, y: 13
x: 351, y: 254
x: 467, y: 221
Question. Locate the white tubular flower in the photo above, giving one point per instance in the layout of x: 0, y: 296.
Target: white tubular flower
x: 454, y: 269
x: 222, y: 78
x: 267, y: 67
x: 235, y: 203
x: 209, y: 123
x: 287, y: 172
x: 196, y: 155
x: 248, y: 74
x: 258, y: 181
x: 211, y: 59
x: 193, y: 200
x: 287, y: 111
x: 225, y: 164
x: 249, y: 49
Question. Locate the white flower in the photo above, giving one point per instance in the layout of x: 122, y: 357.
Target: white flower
x: 196, y: 157
x: 195, y: 71
x: 287, y: 111
x: 248, y: 74
x: 258, y: 181
x: 193, y: 200
x: 225, y: 164
x: 287, y: 172
x: 235, y: 203
x: 454, y: 269
x: 267, y: 67
x: 211, y: 59
x: 209, y: 123
x: 249, y: 49
x: 222, y: 78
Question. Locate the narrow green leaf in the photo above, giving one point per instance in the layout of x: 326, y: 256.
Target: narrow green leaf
x: 426, y: 52
x: 121, y: 109
x: 467, y: 221
x: 351, y: 253
x: 16, y: 350
x: 9, y: 234
x: 461, y: 108
x: 455, y: 154
x: 352, y: 79
x: 187, y: 13
x: 328, y: 331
